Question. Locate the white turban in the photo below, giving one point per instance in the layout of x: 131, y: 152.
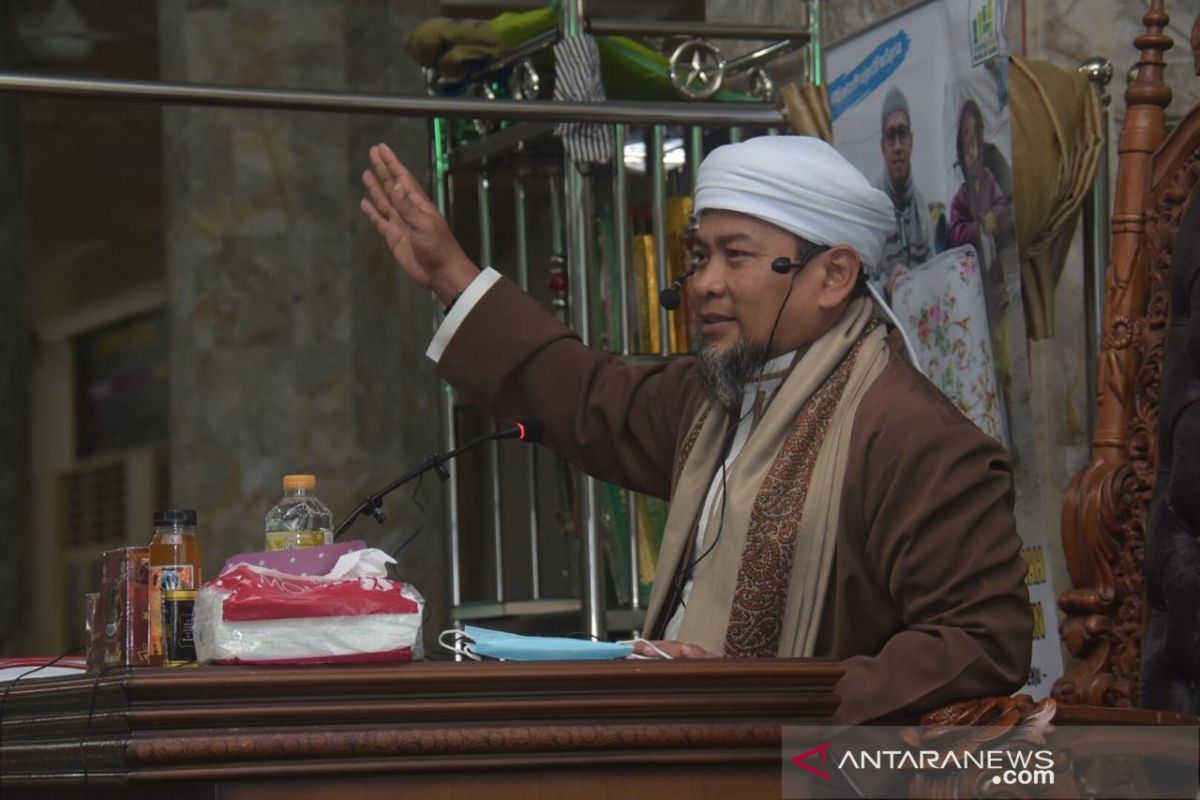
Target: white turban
x: 801, y: 184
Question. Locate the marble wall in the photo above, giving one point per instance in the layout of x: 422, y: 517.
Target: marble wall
x: 296, y: 345
x: 14, y: 362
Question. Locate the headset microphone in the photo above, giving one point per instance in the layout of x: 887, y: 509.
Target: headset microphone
x: 783, y: 265
x: 671, y: 297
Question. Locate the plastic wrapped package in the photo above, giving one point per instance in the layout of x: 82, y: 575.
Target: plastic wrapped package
x: 252, y: 614
x: 121, y: 622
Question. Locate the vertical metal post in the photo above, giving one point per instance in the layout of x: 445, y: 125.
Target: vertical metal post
x: 621, y: 234
x: 735, y: 135
x: 815, y: 52
x: 1096, y: 233
x: 558, y: 256
x: 485, y: 257
x: 570, y: 24
x: 622, y: 266
x: 577, y: 265
x: 439, y: 174
x: 658, y: 220
x: 696, y: 153
x: 556, y: 220
x: 522, y: 211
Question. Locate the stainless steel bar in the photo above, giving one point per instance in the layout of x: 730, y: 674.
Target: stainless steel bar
x: 762, y: 55
x: 622, y: 267
x: 595, y: 603
x: 1091, y: 350
x: 577, y: 265
x: 517, y: 53
x: 558, y: 258
x: 1097, y: 217
x: 735, y: 135
x: 631, y: 530
x: 658, y: 211
x: 485, y: 259
x: 630, y: 112
x: 575, y: 188
x: 706, y: 30
x: 438, y: 173
x: 571, y: 22
x: 593, y: 600
x: 696, y: 153
x: 500, y: 143
x: 621, y: 234
x: 816, y: 52
x: 520, y: 202
x: 557, y: 236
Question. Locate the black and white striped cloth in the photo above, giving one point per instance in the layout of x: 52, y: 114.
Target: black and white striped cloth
x: 577, y: 79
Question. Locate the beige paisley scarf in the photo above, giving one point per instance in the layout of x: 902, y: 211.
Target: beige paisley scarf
x: 760, y: 592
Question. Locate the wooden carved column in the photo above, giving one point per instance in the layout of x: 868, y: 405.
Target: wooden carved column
x: 1105, y: 509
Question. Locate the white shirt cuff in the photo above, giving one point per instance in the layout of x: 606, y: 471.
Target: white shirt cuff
x: 466, y: 301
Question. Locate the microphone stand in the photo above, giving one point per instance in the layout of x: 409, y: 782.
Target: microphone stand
x: 373, y: 504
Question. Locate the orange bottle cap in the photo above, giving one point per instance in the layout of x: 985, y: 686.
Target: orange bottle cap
x: 299, y: 482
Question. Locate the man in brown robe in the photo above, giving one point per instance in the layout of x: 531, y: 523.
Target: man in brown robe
x: 826, y: 499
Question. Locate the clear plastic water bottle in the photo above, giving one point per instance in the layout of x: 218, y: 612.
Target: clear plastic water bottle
x: 299, y: 519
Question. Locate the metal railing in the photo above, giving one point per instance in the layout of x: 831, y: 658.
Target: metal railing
x: 1097, y: 213
x: 194, y: 94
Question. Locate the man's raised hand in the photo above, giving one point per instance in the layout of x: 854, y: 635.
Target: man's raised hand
x: 415, y: 231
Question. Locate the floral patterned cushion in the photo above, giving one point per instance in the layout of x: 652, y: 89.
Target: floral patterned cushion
x: 941, y: 306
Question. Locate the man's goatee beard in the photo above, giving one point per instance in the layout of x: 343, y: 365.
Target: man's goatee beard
x: 725, y: 374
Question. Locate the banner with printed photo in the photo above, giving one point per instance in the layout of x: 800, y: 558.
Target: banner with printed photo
x: 920, y: 105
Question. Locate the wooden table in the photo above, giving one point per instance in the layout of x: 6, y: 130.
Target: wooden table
x: 430, y: 729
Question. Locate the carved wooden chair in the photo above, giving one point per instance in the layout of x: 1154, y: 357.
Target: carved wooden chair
x: 1131, y: 518
x: 1130, y: 521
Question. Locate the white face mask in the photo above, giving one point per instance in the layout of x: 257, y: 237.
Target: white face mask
x: 476, y: 643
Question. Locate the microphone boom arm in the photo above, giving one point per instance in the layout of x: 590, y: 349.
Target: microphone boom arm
x: 528, y: 429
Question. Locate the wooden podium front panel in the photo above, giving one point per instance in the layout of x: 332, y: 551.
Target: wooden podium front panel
x: 719, y: 782
x: 525, y: 730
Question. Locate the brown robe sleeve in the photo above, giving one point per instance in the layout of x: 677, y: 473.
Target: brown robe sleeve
x: 618, y: 421
x: 940, y: 544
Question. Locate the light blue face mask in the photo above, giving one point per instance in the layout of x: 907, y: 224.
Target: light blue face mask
x: 475, y: 643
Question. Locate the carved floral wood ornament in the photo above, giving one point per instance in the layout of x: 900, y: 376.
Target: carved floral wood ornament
x: 1196, y: 45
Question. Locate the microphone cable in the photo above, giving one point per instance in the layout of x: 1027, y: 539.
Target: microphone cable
x: 682, y: 577
x: 530, y: 430
x: 420, y: 521
x: 686, y: 575
x: 8, y: 689
x: 87, y: 727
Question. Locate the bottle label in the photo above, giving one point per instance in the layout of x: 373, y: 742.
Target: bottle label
x: 293, y: 540
x: 165, y: 578
x: 179, y: 644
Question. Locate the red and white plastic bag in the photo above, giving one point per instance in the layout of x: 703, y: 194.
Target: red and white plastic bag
x: 254, y: 615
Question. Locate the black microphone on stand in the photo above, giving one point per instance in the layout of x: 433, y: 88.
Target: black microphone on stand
x: 527, y: 429
x: 671, y: 297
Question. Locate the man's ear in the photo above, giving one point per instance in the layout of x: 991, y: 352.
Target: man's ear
x: 841, y: 275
